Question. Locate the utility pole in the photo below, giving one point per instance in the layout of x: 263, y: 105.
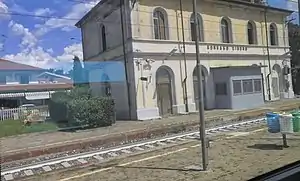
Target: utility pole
x: 184, y: 59
x: 200, y: 88
x: 124, y: 43
x: 268, y: 55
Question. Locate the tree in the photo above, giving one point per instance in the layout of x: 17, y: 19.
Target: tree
x: 69, y: 73
x: 77, y: 72
x: 51, y: 70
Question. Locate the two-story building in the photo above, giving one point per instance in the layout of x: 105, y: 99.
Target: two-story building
x: 16, y: 73
x: 48, y: 78
x: 243, y: 53
x: 23, y: 84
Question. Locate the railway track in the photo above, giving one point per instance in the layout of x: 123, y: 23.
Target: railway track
x: 40, y: 166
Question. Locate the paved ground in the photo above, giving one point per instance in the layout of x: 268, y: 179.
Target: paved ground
x: 35, y: 141
x: 235, y: 158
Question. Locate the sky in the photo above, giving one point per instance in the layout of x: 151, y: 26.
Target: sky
x: 46, y: 37
x: 38, y: 39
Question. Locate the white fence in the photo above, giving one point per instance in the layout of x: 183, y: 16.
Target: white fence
x: 21, y: 113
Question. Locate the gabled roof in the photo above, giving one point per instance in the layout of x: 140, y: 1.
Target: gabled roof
x: 93, y: 10
x: 258, y: 5
x: 12, y: 66
x: 54, y: 75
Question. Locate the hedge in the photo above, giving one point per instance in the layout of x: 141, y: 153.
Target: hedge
x: 58, y: 106
x: 78, y: 107
x: 95, y: 112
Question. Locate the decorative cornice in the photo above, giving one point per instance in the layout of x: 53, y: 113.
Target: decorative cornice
x: 201, y: 43
x: 208, y: 56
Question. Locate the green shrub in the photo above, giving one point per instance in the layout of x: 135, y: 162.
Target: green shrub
x: 95, y: 112
x: 80, y: 91
x: 58, y: 106
x: 78, y: 107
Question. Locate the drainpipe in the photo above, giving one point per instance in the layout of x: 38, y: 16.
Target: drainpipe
x: 268, y: 55
x: 184, y: 60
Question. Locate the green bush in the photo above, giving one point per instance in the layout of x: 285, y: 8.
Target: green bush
x: 58, y: 106
x: 80, y: 91
x: 78, y: 107
x: 95, y: 112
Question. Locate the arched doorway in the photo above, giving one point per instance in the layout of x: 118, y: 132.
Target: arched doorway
x: 204, y: 73
x: 164, y: 89
x: 276, y: 81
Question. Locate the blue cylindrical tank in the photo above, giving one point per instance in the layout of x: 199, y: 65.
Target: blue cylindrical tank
x: 273, y: 122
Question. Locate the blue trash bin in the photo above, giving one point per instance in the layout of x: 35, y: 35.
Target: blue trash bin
x: 273, y: 122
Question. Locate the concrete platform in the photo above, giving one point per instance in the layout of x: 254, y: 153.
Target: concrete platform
x: 36, y: 144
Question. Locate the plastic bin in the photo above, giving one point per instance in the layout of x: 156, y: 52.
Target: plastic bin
x: 296, y: 121
x: 273, y: 122
x: 286, y: 123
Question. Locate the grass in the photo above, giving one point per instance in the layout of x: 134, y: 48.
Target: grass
x: 16, y: 127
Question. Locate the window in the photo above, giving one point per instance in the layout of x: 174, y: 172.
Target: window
x: 200, y: 27
x: 24, y: 79
x: 159, y: 25
x: 2, y: 79
x: 247, y: 86
x: 257, y: 85
x: 251, y: 33
x: 10, y: 78
x: 237, y: 87
x: 225, y: 31
x: 103, y: 37
x: 221, y: 89
x: 273, y: 34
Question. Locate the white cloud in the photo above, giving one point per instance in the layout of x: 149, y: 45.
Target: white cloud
x: 17, y: 8
x: 28, y: 39
x: 50, y: 50
x: 33, y: 54
x: 35, y: 57
x: 68, y: 21
x: 70, y: 51
x: 3, y: 10
x: 41, y: 58
x: 43, y: 12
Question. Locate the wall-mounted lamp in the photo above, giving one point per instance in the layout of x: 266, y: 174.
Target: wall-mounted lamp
x: 171, y: 53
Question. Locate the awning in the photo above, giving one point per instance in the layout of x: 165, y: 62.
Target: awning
x: 11, y: 95
x: 37, y: 95
x: 29, y: 95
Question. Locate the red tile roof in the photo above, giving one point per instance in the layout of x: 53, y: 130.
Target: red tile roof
x: 9, y: 65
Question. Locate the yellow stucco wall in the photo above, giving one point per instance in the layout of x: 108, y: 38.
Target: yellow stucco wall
x: 211, y: 14
x: 142, y: 28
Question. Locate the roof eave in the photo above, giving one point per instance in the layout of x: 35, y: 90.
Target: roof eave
x: 86, y: 16
x: 259, y: 6
x: 79, y: 23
